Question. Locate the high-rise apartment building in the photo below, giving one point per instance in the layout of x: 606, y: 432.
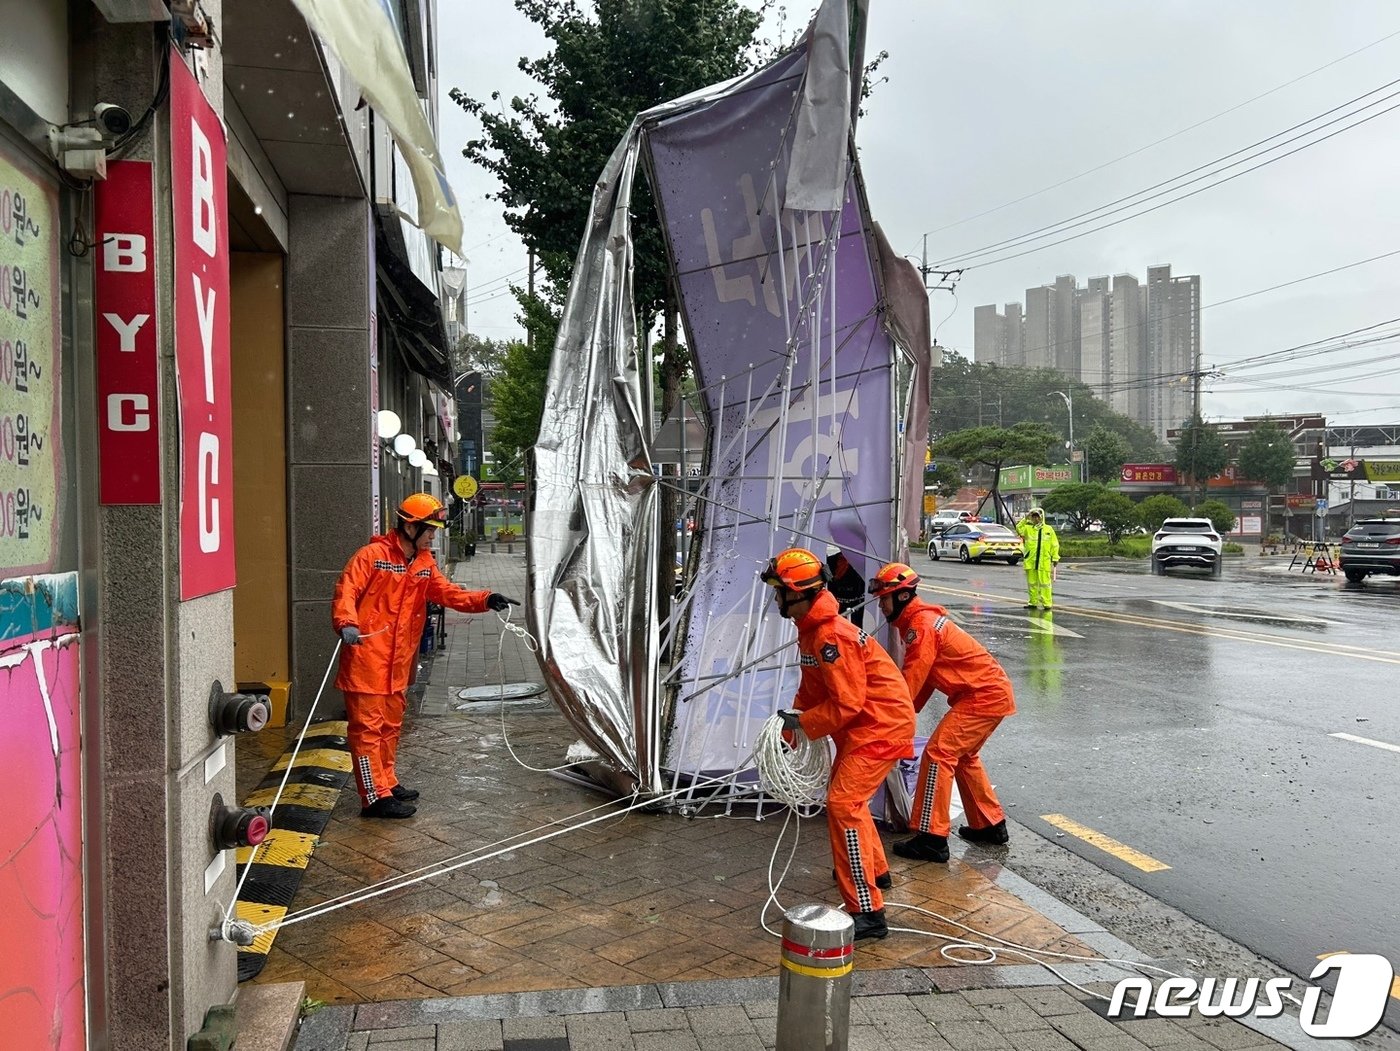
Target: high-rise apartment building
x: 1137, y: 345
x: 1173, y: 344
x: 997, y: 338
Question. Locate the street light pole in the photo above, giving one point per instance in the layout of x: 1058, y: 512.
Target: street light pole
x: 1069, y: 405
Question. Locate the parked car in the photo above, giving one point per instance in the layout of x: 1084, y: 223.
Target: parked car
x: 1371, y: 545
x: 974, y: 541
x: 1187, y: 542
x: 948, y: 517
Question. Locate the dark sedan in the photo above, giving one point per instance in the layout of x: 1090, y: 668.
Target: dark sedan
x: 1371, y: 546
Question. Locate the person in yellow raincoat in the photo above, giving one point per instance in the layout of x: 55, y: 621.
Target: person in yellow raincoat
x: 1042, y: 556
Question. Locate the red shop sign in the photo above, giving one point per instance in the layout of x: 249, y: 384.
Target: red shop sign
x: 199, y: 186
x: 1149, y: 474
x: 124, y: 302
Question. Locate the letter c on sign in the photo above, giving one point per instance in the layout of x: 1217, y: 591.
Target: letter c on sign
x: 137, y: 419
x: 208, y: 505
x: 1363, y: 986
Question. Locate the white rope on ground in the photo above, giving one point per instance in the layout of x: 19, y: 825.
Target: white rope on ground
x: 443, y: 868
x: 798, y: 777
x: 532, y: 645
x: 291, y: 762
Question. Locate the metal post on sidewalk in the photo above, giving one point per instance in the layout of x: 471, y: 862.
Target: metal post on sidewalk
x: 814, y: 985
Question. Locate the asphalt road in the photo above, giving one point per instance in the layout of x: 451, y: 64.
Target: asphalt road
x: 1192, y: 721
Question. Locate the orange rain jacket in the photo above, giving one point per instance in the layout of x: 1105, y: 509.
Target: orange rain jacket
x: 940, y: 655
x: 387, y: 599
x: 850, y: 689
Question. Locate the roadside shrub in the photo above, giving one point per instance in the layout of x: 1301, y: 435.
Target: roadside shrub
x: 1219, y: 514
x: 1157, y: 509
x: 1118, y: 514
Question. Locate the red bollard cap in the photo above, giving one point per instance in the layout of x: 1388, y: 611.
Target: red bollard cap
x: 258, y: 828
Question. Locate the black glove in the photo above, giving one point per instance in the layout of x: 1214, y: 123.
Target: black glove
x: 350, y: 635
x: 498, y: 602
x: 791, y: 720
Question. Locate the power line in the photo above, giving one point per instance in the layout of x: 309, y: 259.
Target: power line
x: 962, y: 260
x: 1166, y: 138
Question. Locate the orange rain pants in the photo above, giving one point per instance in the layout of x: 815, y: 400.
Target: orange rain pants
x: 856, y: 851
x: 374, y: 723
x: 852, y: 692
x: 940, y: 655
x: 952, y: 755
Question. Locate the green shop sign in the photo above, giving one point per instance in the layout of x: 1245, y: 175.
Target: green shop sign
x: 1035, y: 479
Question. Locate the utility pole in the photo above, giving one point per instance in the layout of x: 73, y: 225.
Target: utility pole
x: 1196, y: 383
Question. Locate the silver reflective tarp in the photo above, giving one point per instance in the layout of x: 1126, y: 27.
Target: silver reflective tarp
x: 793, y: 341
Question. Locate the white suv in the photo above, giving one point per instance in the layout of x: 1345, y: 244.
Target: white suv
x: 1187, y: 542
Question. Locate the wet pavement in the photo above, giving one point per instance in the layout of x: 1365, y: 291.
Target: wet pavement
x: 1236, y: 741
x: 626, y: 933
x: 638, y: 897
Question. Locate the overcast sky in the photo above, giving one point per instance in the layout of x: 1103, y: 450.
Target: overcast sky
x: 987, y: 102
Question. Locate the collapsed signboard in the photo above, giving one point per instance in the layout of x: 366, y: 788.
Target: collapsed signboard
x: 795, y: 312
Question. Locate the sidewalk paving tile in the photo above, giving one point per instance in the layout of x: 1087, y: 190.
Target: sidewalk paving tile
x: 477, y: 1035
x: 640, y: 932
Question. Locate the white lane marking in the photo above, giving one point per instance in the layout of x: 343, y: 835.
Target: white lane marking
x: 1186, y: 607
x: 1367, y: 740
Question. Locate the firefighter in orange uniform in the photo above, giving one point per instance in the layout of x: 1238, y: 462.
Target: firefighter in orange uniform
x: 380, y: 607
x: 852, y: 692
x: 940, y: 655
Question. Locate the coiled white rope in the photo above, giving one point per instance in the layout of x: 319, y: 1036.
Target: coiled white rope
x: 795, y: 775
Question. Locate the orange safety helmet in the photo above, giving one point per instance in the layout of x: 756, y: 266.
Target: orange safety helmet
x: 891, y: 578
x: 797, y: 569
x: 423, y: 508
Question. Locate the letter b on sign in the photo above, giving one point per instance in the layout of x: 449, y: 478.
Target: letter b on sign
x: 124, y: 254
x: 202, y: 191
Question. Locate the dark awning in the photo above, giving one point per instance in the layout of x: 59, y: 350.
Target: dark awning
x: 409, y: 308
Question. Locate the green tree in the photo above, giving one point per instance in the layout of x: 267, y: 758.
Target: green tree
x: 972, y: 394
x: 1157, y: 509
x: 1075, y: 500
x: 1106, y: 452
x: 1268, y: 456
x: 517, y: 395
x: 945, y: 478
x: 473, y: 353
x: 1118, y: 514
x: 1200, y: 453
x: 994, y: 447
x: 607, y: 61
x: 1218, y: 512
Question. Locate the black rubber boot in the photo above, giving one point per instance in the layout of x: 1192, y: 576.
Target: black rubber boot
x: 388, y: 807
x: 870, y: 924
x: 404, y: 795
x: 884, y: 880
x: 996, y: 834
x: 924, y: 847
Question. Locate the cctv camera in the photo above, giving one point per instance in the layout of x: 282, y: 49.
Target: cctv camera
x: 113, y: 120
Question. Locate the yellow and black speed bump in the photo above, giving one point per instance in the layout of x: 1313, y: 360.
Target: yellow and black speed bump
x: 320, y: 771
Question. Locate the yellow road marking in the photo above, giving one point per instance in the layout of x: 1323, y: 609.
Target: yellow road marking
x: 318, y: 797
x: 1394, y: 982
x: 1234, y: 634
x: 1107, y: 844
x: 257, y: 915
x: 329, y: 758
x: 282, y: 847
